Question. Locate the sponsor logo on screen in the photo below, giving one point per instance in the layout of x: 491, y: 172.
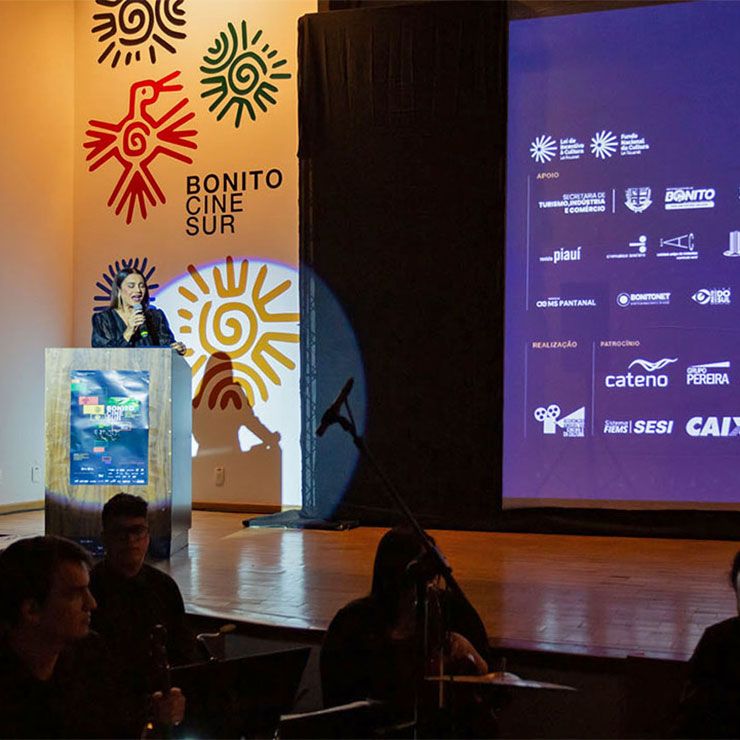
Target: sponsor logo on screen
x: 543, y: 149
x: 575, y: 203
x: 562, y: 255
x: 557, y: 302
x: 713, y: 426
x: 638, y: 426
x: 713, y: 297
x: 733, y: 250
x: 681, y: 247
x: 638, y: 199
x: 685, y: 198
x: 635, y: 249
x: 572, y: 425
x: 710, y: 373
x: 603, y: 144
x: 632, y: 144
x: 651, y: 378
x: 571, y: 148
x: 643, y: 299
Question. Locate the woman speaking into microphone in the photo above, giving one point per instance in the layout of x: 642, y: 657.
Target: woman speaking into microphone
x: 129, y: 321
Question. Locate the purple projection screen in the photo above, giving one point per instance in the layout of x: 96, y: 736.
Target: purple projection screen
x: 623, y: 253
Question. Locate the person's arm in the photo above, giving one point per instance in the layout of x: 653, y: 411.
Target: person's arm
x: 346, y: 660
x: 165, y: 337
x: 106, y: 333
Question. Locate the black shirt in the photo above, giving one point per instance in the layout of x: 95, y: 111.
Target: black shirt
x: 81, y: 699
x: 128, y: 610
x: 359, y: 660
x: 108, y: 328
x: 711, y: 703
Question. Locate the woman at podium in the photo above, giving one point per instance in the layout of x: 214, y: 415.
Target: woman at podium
x: 130, y: 321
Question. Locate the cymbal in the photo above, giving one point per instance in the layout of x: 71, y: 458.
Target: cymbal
x: 503, y: 678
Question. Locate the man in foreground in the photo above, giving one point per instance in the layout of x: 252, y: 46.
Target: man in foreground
x: 55, y: 676
x: 710, y: 706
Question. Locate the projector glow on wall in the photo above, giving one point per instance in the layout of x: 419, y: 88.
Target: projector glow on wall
x: 239, y: 318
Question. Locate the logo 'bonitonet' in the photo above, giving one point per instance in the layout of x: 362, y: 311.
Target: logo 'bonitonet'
x: 240, y: 73
x: 137, y: 140
x: 131, y: 25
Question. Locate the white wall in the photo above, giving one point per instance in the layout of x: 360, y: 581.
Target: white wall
x: 36, y: 226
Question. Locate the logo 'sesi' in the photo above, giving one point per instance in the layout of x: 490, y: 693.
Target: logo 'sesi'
x: 638, y: 426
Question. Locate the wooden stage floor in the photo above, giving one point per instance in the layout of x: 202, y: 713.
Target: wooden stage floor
x: 603, y: 596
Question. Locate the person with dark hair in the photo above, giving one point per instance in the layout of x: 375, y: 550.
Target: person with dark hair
x: 56, y: 678
x: 130, y: 321
x: 710, y: 705
x: 370, y: 648
x: 134, y: 597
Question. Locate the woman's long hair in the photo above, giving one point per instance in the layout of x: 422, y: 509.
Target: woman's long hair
x: 115, y: 290
x: 396, y: 550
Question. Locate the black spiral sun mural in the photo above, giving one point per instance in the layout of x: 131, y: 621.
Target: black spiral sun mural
x: 132, y: 29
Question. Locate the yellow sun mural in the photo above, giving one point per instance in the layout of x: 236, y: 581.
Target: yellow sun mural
x: 234, y: 323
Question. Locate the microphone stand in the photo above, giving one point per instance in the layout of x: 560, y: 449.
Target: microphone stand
x: 439, y: 564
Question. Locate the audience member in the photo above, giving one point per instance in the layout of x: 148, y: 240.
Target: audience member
x: 133, y: 597
x: 56, y: 678
x: 370, y: 649
x: 710, y: 706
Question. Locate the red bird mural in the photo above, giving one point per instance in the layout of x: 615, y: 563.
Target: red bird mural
x: 137, y: 140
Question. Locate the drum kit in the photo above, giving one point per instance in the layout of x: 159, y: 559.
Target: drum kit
x: 503, y: 679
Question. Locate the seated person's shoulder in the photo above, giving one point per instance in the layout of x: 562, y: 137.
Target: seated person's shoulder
x: 359, y: 620
x: 158, y: 578
x: 721, y: 635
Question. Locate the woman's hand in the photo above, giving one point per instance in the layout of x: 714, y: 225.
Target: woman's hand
x: 460, y: 652
x: 134, y: 321
x: 179, y: 347
x: 168, y: 709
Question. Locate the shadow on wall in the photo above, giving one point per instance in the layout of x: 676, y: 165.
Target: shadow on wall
x: 226, y: 470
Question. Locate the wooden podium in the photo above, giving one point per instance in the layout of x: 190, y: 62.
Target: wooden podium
x: 87, y: 459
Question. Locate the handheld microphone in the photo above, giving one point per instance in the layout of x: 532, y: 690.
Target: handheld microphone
x: 331, y: 415
x: 139, y: 308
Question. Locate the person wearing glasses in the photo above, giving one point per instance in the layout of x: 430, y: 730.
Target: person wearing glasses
x: 133, y: 597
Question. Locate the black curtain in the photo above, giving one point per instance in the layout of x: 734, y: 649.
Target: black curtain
x: 402, y: 137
